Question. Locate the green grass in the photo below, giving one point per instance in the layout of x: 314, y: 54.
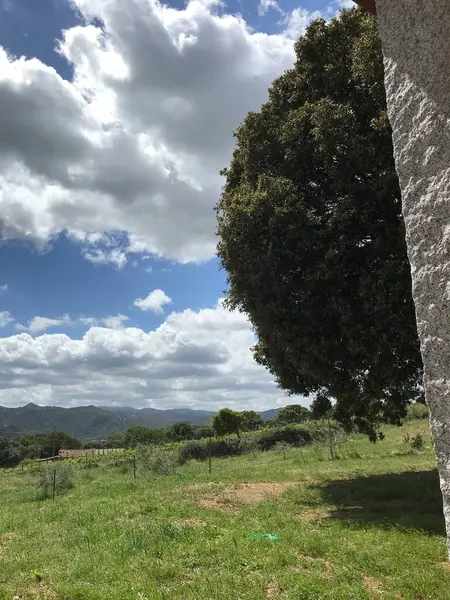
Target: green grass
x: 351, y: 529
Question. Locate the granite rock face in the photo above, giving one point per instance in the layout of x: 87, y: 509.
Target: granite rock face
x: 416, y: 46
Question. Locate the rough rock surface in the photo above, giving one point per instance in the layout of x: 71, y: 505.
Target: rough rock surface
x: 416, y: 47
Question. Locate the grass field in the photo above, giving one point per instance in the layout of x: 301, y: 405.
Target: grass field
x: 352, y: 529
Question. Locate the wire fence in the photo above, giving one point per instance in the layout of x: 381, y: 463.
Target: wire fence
x: 145, y: 462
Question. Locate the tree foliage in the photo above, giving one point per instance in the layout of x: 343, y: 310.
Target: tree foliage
x: 139, y: 434
x: 226, y: 421
x: 250, y: 420
x: 42, y: 445
x: 312, y: 235
x: 293, y: 413
x: 9, y: 452
x: 180, y: 431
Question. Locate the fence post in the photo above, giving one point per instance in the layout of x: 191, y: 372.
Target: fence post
x: 54, y: 441
x: 54, y: 483
x: 134, y: 466
x: 209, y: 457
x: 330, y: 439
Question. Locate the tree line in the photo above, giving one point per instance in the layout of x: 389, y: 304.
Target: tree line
x: 31, y: 446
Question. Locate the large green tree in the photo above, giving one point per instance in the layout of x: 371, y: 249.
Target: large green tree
x: 227, y: 421
x: 312, y: 235
x: 250, y: 420
x: 293, y: 413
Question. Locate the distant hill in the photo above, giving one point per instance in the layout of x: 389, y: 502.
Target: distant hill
x: 95, y: 423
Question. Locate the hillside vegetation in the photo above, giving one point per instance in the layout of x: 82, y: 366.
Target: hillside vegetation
x: 366, y: 526
x: 95, y: 423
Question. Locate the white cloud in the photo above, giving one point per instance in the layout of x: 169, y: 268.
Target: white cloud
x: 265, y: 5
x: 39, y: 324
x: 198, y: 359
x: 135, y: 142
x: 5, y: 318
x: 103, y: 257
x: 297, y: 21
x: 155, y: 301
x: 3, y: 287
x: 116, y: 322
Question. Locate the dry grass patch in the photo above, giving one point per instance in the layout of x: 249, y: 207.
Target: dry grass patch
x: 248, y: 493
x: 307, y: 562
x: 312, y: 515
x: 373, y: 586
x: 5, y: 539
x: 272, y: 591
x: 39, y: 591
x: 189, y: 522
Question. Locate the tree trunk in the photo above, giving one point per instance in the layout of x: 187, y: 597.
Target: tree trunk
x: 416, y: 47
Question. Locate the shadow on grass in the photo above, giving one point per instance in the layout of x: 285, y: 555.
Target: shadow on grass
x: 409, y: 500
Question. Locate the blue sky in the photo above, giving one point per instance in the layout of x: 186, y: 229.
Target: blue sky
x: 115, y: 118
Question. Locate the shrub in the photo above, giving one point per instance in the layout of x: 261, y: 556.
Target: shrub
x: 192, y: 451
x: 294, y: 436
x: 262, y: 440
x: 417, y: 411
x: 156, y: 460
x: 60, y: 475
x: 417, y: 442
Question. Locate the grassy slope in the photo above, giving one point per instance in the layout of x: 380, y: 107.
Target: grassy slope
x: 352, y: 529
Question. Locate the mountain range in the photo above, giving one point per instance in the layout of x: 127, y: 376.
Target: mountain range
x: 96, y: 423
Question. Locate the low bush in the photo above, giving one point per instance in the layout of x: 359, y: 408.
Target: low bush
x: 291, y: 435
x: 263, y: 440
x: 60, y: 476
x: 417, y: 411
x: 417, y: 442
x: 156, y: 460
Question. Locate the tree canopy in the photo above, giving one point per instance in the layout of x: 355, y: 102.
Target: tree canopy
x: 312, y: 235
x: 293, y: 413
x: 250, y: 420
x: 226, y: 421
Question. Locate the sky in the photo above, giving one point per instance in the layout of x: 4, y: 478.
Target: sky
x: 116, y: 117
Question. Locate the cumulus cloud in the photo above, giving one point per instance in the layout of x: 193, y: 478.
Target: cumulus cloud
x: 116, y: 322
x: 38, y: 324
x: 155, y: 301
x: 5, y: 318
x: 134, y: 143
x: 4, y: 287
x: 200, y: 359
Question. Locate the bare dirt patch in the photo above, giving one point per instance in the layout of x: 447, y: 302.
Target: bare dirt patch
x: 248, y: 493
x: 312, y: 515
x: 373, y: 586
